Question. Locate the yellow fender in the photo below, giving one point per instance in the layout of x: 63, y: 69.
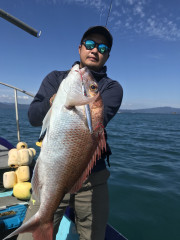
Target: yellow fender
x: 22, y: 190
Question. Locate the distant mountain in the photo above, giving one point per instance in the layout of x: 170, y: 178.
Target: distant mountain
x: 12, y: 106
x: 161, y: 110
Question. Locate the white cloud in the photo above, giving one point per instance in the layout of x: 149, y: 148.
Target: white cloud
x: 116, y: 13
x: 131, y: 2
x: 144, y: 17
x: 7, y: 95
x: 117, y: 2
x: 138, y: 10
x: 137, y: 16
x: 24, y: 97
x: 118, y: 23
x: 156, y: 57
x: 96, y: 4
x: 162, y: 28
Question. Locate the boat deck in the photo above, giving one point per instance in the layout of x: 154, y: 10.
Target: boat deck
x: 12, y: 210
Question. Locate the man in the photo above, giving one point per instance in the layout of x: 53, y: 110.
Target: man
x: 91, y: 202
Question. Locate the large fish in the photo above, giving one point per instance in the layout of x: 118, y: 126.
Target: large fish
x: 69, y: 149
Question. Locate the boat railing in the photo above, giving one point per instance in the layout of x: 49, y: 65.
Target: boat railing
x: 16, y: 104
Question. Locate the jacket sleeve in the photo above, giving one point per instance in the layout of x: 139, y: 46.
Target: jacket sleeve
x: 40, y: 105
x: 112, y: 98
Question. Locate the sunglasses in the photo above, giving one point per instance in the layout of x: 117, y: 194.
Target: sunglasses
x: 90, y: 44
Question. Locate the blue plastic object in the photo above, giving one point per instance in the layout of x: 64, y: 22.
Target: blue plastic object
x: 15, y: 219
x: 67, y: 230
x: 6, y: 194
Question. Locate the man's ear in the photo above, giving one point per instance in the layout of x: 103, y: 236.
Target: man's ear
x: 108, y: 56
x: 80, y: 48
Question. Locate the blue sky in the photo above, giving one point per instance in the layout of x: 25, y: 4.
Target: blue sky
x: 145, y: 57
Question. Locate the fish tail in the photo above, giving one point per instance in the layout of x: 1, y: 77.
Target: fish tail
x: 39, y: 231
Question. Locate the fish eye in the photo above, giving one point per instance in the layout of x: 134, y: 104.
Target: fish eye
x: 93, y: 87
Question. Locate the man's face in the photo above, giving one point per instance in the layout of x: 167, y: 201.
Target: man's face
x: 93, y: 59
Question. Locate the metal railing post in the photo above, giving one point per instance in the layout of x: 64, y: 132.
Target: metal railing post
x: 17, y: 116
x: 16, y: 104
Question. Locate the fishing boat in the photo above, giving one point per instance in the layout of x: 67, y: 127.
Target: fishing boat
x: 13, y: 210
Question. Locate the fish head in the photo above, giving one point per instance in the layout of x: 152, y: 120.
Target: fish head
x: 96, y: 106
x: 78, y: 88
x: 73, y: 81
x: 80, y: 81
x: 90, y: 85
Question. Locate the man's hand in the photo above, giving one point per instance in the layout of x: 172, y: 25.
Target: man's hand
x: 52, y: 99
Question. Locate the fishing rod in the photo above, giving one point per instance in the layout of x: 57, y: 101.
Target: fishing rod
x: 110, y: 7
x: 19, y: 23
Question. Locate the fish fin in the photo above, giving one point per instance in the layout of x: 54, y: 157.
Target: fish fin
x: 97, y: 155
x: 76, y: 99
x: 39, y: 232
x: 46, y: 123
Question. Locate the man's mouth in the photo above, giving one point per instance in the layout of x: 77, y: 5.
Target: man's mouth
x: 93, y: 59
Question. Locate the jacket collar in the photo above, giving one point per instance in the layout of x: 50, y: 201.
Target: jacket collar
x: 97, y: 75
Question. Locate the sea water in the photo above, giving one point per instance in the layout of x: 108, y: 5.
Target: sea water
x: 144, y: 185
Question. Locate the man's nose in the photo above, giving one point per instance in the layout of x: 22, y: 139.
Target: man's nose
x: 94, y: 50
